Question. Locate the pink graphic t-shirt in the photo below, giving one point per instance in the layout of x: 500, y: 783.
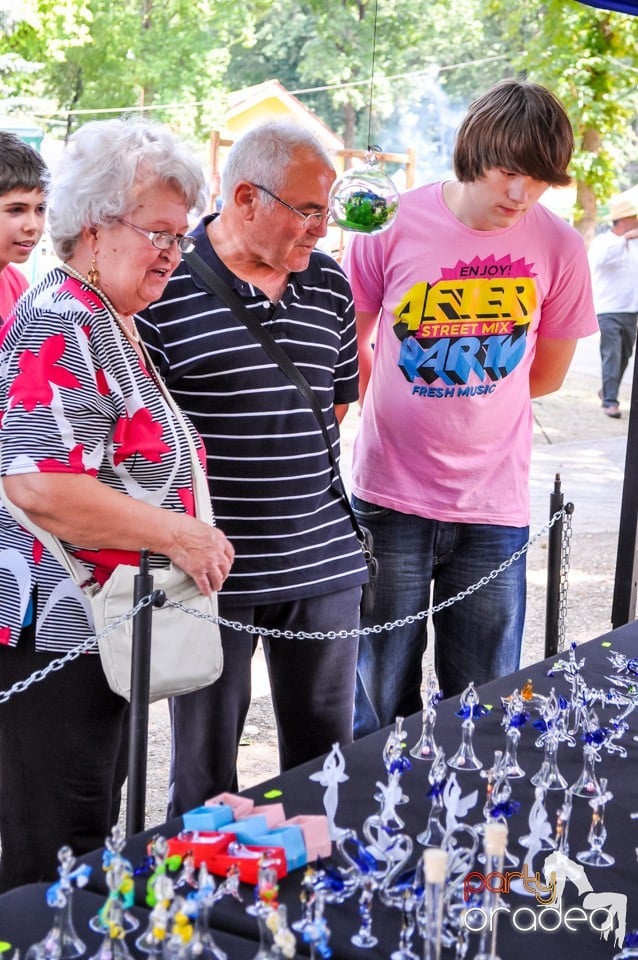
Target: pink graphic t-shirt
x: 447, y: 419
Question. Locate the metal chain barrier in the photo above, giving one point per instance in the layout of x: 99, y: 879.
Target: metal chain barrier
x: 565, y: 555
x: 380, y: 627
x: 91, y: 642
x: 76, y: 652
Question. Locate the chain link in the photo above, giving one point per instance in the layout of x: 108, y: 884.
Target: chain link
x: 563, y: 588
x: 91, y: 642
x: 379, y: 627
x: 21, y: 685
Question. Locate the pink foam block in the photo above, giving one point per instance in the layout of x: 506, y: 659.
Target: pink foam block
x: 273, y: 812
x: 241, y: 806
x: 315, y: 833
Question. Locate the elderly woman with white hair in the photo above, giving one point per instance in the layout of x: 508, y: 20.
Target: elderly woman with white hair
x: 92, y: 452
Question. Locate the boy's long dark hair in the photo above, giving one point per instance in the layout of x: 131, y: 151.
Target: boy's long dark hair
x: 517, y: 126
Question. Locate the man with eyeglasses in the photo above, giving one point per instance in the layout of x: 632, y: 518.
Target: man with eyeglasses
x: 298, y: 564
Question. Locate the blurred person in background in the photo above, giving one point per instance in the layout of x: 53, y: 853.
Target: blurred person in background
x: 613, y: 259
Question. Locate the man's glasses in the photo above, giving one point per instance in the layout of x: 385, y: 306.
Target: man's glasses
x: 163, y: 240
x: 313, y: 220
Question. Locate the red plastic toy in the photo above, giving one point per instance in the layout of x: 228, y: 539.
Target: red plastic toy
x: 220, y: 851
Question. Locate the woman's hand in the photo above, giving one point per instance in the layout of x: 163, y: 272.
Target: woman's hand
x: 203, y: 552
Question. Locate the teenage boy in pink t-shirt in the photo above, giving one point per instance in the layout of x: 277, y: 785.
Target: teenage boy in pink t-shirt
x: 23, y: 183
x: 480, y: 295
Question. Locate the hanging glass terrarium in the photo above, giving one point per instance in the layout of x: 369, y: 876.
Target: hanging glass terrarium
x: 364, y: 199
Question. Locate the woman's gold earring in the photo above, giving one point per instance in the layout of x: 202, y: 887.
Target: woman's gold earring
x: 93, y: 275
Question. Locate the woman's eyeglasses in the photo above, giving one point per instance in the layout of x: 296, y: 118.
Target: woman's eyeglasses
x: 163, y: 240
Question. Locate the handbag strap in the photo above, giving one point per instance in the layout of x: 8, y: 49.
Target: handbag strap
x: 214, y: 284
x: 201, y: 493
x: 76, y: 570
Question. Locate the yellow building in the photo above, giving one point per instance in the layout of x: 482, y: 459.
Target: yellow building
x: 266, y: 101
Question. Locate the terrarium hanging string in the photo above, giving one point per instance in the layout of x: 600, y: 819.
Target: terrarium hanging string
x: 364, y: 199
x: 373, y: 149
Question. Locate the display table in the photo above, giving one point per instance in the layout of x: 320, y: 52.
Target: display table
x: 364, y: 768
x: 25, y: 919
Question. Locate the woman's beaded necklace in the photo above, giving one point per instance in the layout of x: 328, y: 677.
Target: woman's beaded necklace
x: 131, y: 333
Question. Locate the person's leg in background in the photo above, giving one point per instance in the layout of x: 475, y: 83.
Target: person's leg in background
x: 63, y: 761
x: 389, y: 670
x: 610, y: 356
x: 480, y: 637
x: 206, y: 725
x: 312, y: 680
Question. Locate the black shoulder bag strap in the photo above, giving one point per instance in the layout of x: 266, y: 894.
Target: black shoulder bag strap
x: 214, y: 283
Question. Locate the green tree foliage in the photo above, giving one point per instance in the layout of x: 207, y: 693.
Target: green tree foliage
x: 92, y: 55
x: 96, y: 54
x: 338, y: 44
x: 327, y: 48
x: 16, y: 69
x: 588, y: 58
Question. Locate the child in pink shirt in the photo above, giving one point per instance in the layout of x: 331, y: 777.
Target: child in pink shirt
x: 23, y: 183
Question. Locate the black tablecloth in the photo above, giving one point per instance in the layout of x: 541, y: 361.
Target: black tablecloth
x: 25, y: 919
x: 364, y: 767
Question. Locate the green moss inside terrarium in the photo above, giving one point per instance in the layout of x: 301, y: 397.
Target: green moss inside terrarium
x: 366, y: 211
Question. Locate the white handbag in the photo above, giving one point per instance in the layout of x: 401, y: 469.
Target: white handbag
x: 186, y: 651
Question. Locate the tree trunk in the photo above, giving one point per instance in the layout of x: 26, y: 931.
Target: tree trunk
x: 77, y: 93
x: 586, y: 223
x: 587, y: 202
x: 348, y: 125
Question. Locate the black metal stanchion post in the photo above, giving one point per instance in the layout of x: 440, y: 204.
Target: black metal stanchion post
x: 554, y: 550
x: 138, y: 716
x: 623, y: 608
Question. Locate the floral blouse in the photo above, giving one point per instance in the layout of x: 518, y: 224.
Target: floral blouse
x: 76, y: 398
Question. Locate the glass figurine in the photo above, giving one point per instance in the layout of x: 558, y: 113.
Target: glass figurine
x: 62, y: 942
x: 516, y: 716
x: 470, y: 710
x: 425, y: 749
x: 330, y: 776
x: 596, y: 856
x: 434, y: 832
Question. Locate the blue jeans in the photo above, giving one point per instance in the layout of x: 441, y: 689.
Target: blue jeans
x: 478, y: 638
x: 617, y: 338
